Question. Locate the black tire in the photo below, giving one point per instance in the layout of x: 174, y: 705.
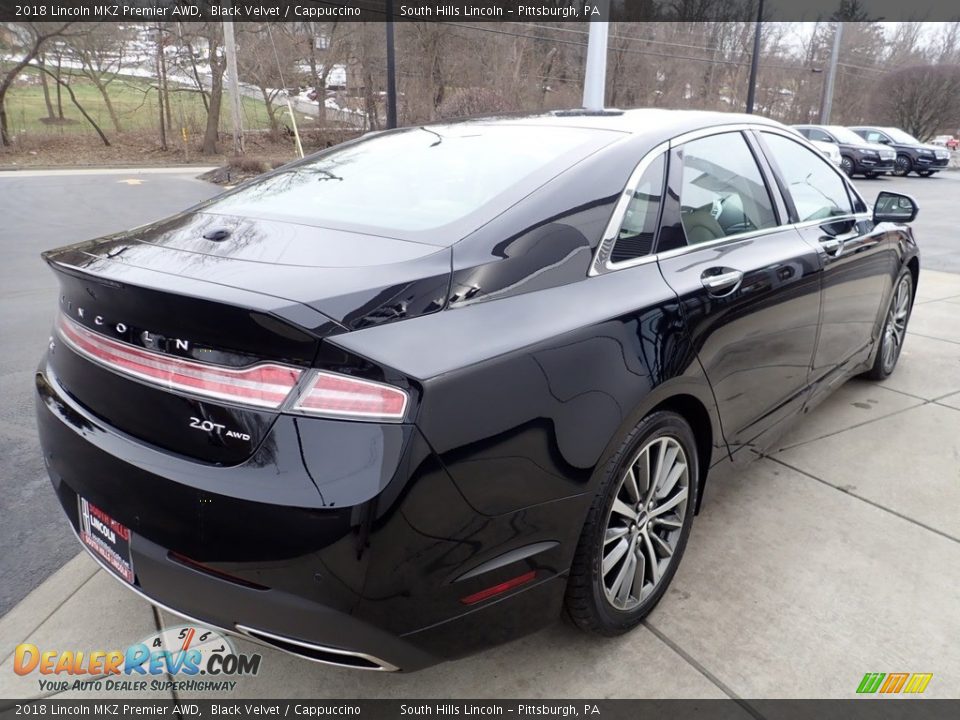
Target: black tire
x: 902, y: 166
x: 894, y: 328
x: 587, y: 603
x: 846, y: 164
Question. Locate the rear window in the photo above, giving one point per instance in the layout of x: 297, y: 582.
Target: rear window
x: 413, y: 183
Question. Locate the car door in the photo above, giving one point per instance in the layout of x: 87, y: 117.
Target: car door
x: 860, y: 260
x: 748, y: 283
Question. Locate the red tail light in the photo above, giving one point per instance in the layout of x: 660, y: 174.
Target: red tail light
x: 264, y: 385
x: 347, y: 397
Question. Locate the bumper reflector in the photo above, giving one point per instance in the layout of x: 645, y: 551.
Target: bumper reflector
x: 499, y: 589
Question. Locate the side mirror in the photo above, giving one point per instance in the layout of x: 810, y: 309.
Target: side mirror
x: 894, y: 207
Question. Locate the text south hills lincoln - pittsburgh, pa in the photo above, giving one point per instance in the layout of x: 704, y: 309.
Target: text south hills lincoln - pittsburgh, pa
x: 465, y: 11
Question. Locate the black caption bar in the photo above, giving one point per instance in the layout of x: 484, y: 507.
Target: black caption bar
x: 473, y: 10
x: 876, y: 709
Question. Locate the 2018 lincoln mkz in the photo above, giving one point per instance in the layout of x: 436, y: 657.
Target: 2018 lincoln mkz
x: 414, y: 395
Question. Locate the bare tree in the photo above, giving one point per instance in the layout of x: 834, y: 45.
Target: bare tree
x: 921, y: 99
x: 101, y: 53
x: 217, y: 63
x: 268, y: 58
x: 61, y: 82
x: 29, y: 41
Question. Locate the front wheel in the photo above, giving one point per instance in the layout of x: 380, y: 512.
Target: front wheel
x: 903, y: 166
x: 894, y: 328
x: 846, y: 164
x: 637, y: 527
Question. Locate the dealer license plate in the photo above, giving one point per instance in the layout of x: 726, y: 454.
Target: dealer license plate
x: 107, y: 539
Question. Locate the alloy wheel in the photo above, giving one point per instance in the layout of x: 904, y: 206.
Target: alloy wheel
x: 902, y: 166
x: 645, y: 523
x: 846, y: 164
x: 896, y: 326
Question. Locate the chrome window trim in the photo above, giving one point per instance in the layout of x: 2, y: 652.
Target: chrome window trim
x: 604, y: 249
x: 609, y: 239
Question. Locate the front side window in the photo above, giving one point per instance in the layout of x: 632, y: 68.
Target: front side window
x: 874, y: 137
x: 722, y: 192
x: 820, y: 135
x: 639, y: 226
x: 818, y: 192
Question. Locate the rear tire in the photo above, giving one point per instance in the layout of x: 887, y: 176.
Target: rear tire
x: 894, y: 328
x: 637, y: 527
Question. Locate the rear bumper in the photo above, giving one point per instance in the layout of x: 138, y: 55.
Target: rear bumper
x: 368, y: 585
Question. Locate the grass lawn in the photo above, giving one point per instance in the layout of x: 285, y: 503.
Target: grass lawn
x: 132, y: 98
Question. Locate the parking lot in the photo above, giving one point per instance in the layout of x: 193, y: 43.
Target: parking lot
x: 837, y: 555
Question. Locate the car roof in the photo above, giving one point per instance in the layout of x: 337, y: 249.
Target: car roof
x: 642, y: 121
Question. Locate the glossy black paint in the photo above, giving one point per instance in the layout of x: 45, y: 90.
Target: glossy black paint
x: 525, y: 371
x: 922, y: 157
x: 863, y: 156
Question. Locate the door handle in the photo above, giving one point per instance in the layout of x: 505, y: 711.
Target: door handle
x: 831, y: 244
x: 727, y: 280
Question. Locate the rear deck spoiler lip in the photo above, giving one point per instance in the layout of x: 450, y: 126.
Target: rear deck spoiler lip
x: 296, y: 313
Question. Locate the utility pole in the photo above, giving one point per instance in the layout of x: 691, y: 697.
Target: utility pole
x: 595, y: 71
x: 755, y: 60
x: 391, y: 70
x: 826, y: 105
x: 230, y: 48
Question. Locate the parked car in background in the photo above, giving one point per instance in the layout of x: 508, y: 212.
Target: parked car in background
x: 830, y: 150
x: 947, y: 141
x: 857, y: 156
x: 912, y: 155
x: 409, y: 397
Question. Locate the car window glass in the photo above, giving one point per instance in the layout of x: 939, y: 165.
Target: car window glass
x: 414, y: 180
x: 819, y: 135
x: 817, y: 190
x: 635, y: 238
x: 722, y: 192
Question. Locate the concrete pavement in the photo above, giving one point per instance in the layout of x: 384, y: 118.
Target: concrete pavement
x: 837, y: 555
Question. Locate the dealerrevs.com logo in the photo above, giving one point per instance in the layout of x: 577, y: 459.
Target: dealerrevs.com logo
x: 894, y: 683
x: 183, y: 658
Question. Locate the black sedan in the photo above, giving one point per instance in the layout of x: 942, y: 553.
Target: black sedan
x: 414, y: 395
x: 912, y: 155
x: 857, y: 156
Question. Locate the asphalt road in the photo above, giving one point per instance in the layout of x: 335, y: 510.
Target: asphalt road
x: 40, y: 210
x: 936, y: 227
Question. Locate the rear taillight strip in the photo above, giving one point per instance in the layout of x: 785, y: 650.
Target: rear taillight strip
x: 265, y: 385
x: 342, y: 396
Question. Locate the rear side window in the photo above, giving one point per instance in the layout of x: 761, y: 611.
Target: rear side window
x: 444, y: 178
x: 818, y: 191
x: 639, y: 225
x: 722, y: 192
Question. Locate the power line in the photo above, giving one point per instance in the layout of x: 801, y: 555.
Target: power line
x: 628, y: 51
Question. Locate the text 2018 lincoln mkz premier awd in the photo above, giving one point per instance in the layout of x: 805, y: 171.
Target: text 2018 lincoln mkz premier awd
x: 414, y: 395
